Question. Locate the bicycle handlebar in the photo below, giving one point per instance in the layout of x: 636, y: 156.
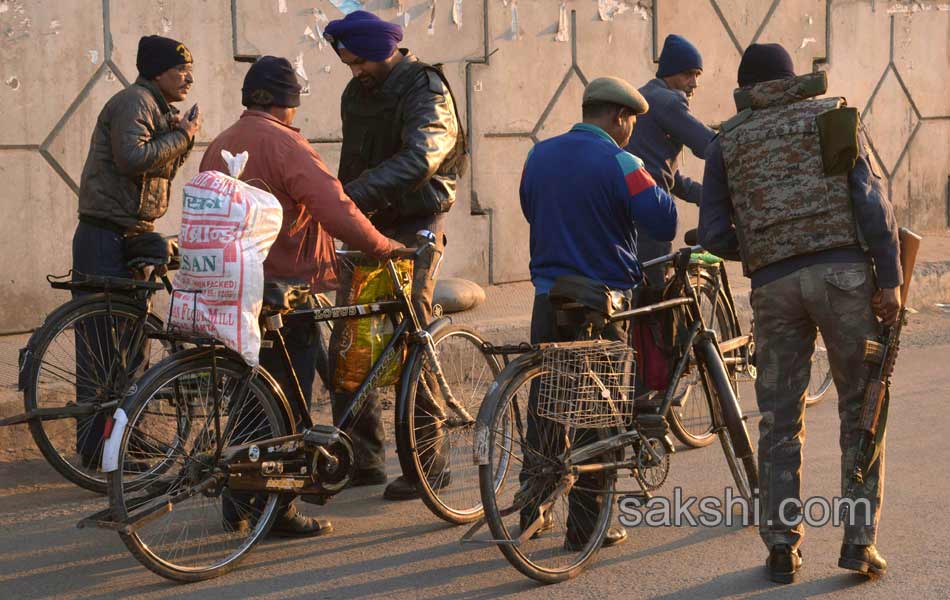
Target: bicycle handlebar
x: 670, y: 257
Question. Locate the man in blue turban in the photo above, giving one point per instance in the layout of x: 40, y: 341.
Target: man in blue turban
x: 403, y: 152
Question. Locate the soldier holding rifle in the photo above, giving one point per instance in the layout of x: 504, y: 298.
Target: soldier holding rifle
x: 789, y: 190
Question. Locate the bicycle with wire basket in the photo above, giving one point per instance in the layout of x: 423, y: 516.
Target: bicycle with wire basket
x: 76, y: 367
x: 578, y: 400
x: 250, y: 446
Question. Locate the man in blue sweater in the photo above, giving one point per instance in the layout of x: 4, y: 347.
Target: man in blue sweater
x: 582, y: 195
x: 661, y: 134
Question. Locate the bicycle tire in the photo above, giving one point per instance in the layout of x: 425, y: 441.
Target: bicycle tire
x: 497, y: 409
x: 51, y: 376
x: 820, y: 380
x: 734, y: 438
x: 454, y: 498
x: 695, y: 429
x: 196, y: 364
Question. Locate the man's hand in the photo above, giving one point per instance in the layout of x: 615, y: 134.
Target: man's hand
x: 886, y: 304
x: 394, y: 248
x: 192, y: 125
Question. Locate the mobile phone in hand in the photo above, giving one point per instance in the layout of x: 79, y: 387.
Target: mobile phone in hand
x: 193, y: 112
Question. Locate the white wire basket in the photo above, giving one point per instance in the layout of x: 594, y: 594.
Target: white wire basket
x: 587, y: 385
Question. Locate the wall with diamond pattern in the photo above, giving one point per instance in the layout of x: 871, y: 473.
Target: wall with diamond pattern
x: 518, y: 68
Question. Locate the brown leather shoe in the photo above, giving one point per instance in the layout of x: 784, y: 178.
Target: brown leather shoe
x: 864, y: 559
x: 615, y: 536
x: 296, y: 525
x: 783, y: 563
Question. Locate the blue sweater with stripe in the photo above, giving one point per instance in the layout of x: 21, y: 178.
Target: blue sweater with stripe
x: 581, y: 194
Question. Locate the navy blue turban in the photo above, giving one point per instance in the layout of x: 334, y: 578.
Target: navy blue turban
x: 365, y: 35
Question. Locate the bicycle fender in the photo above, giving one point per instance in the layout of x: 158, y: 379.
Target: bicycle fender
x: 110, y: 452
x: 498, y: 387
x: 416, y: 353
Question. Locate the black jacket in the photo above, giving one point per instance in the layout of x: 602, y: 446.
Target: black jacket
x: 402, y: 148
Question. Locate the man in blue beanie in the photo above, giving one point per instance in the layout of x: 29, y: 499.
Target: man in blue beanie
x: 819, y: 242
x: 403, y: 152
x: 662, y: 132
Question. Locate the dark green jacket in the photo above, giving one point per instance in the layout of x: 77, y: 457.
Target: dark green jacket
x: 402, y: 152
x: 133, y: 157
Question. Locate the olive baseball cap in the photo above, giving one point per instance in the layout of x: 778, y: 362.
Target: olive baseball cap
x: 615, y: 91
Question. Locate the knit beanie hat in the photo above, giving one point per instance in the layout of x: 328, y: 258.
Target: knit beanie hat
x: 765, y: 62
x: 678, y: 55
x: 157, y: 54
x: 271, y: 81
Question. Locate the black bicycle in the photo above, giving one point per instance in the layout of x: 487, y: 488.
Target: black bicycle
x: 690, y: 418
x: 250, y: 446
x: 564, y: 413
x: 77, y: 366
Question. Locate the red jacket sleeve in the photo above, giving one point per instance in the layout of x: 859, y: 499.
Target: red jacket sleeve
x: 308, y: 181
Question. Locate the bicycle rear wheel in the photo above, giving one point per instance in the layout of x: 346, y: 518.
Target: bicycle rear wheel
x: 200, y: 528
x: 690, y: 416
x: 440, y: 446
x: 820, y: 382
x: 76, y: 358
x: 511, y: 433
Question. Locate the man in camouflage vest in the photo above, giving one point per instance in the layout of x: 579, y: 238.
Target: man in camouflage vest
x: 818, y: 238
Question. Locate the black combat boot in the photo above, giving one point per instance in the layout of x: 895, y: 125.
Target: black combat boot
x: 783, y: 563
x: 862, y: 558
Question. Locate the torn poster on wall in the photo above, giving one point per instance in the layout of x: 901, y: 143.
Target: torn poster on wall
x: 302, y: 73
x: 315, y: 33
x: 608, y: 9
x: 402, y: 11
x: 515, y: 33
x: 431, y: 28
x: 457, y: 14
x: 563, y: 33
x: 347, y: 6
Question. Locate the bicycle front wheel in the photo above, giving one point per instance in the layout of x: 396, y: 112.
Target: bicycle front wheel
x: 690, y: 416
x: 77, y: 359
x: 570, y: 521
x: 439, y: 438
x: 186, y: 524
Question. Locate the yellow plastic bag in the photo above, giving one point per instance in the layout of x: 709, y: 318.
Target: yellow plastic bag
x: 364, y: 339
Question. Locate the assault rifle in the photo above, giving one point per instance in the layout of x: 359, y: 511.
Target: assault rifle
x: 882, y: 353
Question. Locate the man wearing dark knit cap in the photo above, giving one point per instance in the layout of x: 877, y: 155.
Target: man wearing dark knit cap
x: 661, y: 134
x: 137, y: 146
x: 316, y: 210
x: 819, y: 241
x: 582, y: 223
x: 403, y: 151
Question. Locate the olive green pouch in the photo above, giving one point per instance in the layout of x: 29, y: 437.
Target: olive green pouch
x: 838, y: 133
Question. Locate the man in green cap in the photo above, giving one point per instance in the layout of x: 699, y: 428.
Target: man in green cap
x: 582, y: 222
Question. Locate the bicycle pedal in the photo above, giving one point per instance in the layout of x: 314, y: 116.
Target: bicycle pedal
x: 321, y: 435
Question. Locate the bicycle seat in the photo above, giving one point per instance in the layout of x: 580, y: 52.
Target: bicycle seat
x: 285, y: 296
x: 571, y: 292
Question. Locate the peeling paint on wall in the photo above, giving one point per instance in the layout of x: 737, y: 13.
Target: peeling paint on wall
x: 13, y: 82
x: 347, y: 6
x: 166, y: 24
x: 93, y: 56
x: 914, y: 7
x: 514, y: 32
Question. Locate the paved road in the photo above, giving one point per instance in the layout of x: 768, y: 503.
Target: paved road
x: 400, y: 550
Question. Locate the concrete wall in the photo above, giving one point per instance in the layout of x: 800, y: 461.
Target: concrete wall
x: 60, y: 61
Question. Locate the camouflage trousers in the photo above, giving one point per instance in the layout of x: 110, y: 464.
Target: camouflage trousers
x: 835, y: 299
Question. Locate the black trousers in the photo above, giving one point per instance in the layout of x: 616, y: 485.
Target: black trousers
x: 548, y: 437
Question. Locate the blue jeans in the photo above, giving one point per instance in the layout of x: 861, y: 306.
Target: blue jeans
x: 101, y: 252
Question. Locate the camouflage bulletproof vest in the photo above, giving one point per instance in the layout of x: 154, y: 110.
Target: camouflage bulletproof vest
x: 783, y: 203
